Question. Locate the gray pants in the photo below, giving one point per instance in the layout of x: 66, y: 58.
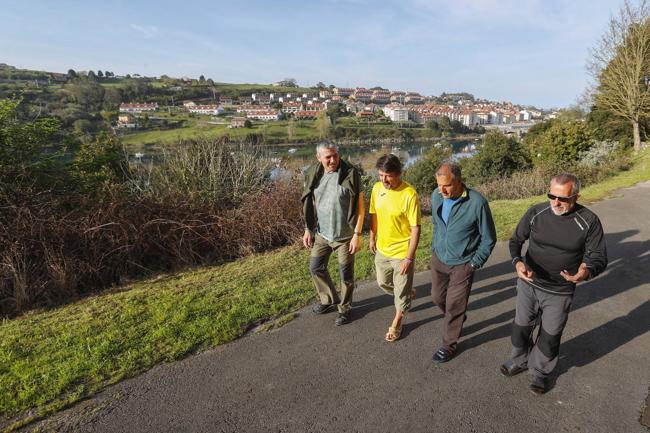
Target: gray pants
x: 551, y: 311
x: 320, y: 255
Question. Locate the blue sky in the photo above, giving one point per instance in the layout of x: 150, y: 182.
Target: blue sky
x: 526, y: 51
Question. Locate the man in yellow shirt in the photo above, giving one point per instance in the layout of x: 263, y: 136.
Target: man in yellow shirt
x: 394, y: 236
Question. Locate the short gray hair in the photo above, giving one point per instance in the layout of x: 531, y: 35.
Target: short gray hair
x: 326, y: 145
x: 564, y: 178
x: 453, y: 167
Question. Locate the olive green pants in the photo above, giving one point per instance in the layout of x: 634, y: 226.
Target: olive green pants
x: 320, y: 254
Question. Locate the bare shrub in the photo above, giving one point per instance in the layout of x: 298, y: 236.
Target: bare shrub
x: 207, y: 171
x: 521, y: 184
x: 54, y: 249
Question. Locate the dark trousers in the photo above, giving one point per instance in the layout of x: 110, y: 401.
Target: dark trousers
x: 551, y: 312
x: 450, y: 286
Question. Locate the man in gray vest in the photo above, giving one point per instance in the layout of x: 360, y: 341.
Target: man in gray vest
x: 333, y: 211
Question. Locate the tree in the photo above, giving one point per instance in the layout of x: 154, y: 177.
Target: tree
x: 100, y: 74
x: 556, y: 143
x: 248, y: 124
x: 91, y: 76
x: 71, y: 74
x: 497, y: 157
x: 620, y: 65
x: 202, y: 79
x: 323, y: 123
x: 422, y: 174
x: 291, y: 129
x: 23, y: 144
x: 320, y: 85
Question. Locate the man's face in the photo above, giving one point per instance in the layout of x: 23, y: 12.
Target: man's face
x: 390, y: 180
x: 329, y: 158
x: 448, y: 185
x: 560, y: 197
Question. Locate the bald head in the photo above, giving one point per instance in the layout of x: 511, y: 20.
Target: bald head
x: 449, y: 179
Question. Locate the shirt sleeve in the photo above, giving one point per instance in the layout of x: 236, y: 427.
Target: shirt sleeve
x: 413, y: 210
x: 371, y: 208
x: 521, y: 234
x: 595, y: 256
x: 488, y: 234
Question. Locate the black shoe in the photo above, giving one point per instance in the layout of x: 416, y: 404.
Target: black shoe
x: 539, y: 385
x: 509, y: 368
x: 442, y: 355
x: 343, y: 319
x: 322, y: 308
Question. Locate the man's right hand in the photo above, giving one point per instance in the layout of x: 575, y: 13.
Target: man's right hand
x: 523, y: 272
x: 307, y: 239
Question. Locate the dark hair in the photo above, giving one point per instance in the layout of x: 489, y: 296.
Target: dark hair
x: 453, y: 167
x: 564, y: 178
x: 389, y: 163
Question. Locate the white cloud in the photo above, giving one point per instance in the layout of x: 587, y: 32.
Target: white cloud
x: 149, y: 32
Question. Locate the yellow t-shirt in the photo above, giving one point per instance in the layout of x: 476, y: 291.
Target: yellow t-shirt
x: 397, y: 211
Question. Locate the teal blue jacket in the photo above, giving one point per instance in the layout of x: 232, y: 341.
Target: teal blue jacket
x: 469, y: 235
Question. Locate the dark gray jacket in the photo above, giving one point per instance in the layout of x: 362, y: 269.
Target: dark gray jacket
x: 348, y: 178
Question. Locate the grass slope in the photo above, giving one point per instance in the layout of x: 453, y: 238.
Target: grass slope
x: 52, y: 358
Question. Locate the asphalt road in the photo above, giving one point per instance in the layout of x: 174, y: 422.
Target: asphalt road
x: 310, y: 376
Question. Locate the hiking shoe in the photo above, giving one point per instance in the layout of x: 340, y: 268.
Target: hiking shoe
x: 343, y: 319
x: 539, y: 385
x: 322, y: 308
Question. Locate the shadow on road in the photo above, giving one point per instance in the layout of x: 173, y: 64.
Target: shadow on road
x: 628, y: 266
x: 629, y: 262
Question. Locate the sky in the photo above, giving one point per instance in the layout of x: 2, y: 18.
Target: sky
x: 524, y: 51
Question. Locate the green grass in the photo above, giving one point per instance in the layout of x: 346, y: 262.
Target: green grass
x: 52, y: 358
x: 304, y: 130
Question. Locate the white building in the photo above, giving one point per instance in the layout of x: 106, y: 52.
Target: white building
x: 213, y: 110
x: 137, y: 108
x: 396, y: 113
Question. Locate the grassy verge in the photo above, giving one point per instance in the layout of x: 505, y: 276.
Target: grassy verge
x: 52, y: 358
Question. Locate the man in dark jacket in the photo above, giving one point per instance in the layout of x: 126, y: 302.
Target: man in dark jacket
x: 464, y: 236
x: 566, y: 245
x: 333, y: 211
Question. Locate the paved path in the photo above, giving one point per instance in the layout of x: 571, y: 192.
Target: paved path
x: 310, y: 376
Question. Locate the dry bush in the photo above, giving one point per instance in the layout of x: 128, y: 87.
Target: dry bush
x: 521, y: 184
x: 54, y: 249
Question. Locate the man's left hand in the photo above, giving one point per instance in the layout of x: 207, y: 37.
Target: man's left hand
x: 355, y: 244
x: 581, y: 275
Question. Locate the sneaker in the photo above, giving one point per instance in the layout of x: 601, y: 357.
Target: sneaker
x: 442, y: 355
x: 343, y: 319
x: 322, y: 308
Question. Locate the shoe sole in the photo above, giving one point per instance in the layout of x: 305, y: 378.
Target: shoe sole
x: 538, y: 391
x: 504, y: 371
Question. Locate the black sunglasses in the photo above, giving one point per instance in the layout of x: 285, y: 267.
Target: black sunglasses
x: 560, y: 198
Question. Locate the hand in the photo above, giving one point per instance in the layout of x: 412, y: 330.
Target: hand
x: 307, y: 239
x: 372, y: 245
x: 523, y: 272
x: 355, y: 244
x: 581, y: 275
x: 405, y: 266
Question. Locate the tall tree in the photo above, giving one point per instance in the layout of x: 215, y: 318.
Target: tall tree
x: 620, y: 65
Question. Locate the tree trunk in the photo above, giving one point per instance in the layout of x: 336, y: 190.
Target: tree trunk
x: 637, y: 136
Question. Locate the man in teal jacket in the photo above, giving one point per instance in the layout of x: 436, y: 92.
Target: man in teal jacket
x: 464, y: 236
